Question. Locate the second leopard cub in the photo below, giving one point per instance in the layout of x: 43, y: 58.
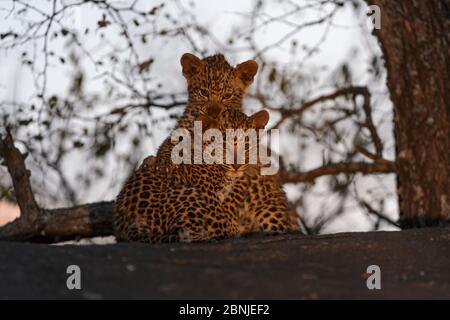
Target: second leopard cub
x: 196, y: 202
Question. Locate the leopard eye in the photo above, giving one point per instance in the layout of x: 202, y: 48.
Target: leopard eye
x: 227, y: 96
x: 204, y: 92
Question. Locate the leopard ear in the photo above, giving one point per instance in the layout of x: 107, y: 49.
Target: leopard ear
x: 260, y: 119
x: 190, y: 64
x: 246, y: 71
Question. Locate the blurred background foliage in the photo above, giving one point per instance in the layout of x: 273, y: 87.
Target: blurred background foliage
x: 91, y: 87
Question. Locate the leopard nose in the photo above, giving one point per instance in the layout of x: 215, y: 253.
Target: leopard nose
x: 214, y: 109
x: 236, y: 166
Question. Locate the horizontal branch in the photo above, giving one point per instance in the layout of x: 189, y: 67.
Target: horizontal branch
x: 145, y: 105
x: 84, y: 221
x: 96, y: 219
x: 288, y: 113
x: 378, y: 167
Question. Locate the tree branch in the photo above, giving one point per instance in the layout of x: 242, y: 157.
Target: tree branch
x: 84, y: 221
x: 87, y: 220
x: 370, y: 125
x: 378, y: 167
x: 380, y: 215
x: 15, y: 162
x: 288, y: 113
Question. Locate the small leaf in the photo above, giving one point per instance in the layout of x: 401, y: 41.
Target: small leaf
x: 102, y: 149
x: 272, y: 75
x: 78, y: 144
x: 52, y: 102
x: 25, y: 122
x: 155, y: 9
x: 144, y: 66
x: 136, y: 141
x: 283, y: 85
x: 103, y: 23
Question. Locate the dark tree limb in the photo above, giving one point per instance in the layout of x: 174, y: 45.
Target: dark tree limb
x: 286, y: 114
x: 377, y: 167
x: 48, y: 225
x: 15, y: 162
x: 378, y: 214
x: 369, y: 122
x: 84, y: 221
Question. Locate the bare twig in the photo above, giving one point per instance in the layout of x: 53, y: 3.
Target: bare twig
x: 286, y: 114
x: 370, y: 125
x: 381, y: 216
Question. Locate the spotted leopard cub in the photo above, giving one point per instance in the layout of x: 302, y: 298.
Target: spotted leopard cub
x: 210, y: 81
x: 195, y: 203
x: 263, y: 205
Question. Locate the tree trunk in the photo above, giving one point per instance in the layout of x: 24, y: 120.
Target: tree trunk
x: 415, y: 37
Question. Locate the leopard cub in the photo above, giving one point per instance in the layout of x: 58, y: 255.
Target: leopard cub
x: 194, y: 202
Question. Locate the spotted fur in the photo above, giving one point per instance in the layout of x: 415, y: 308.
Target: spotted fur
x: 257, y: 203
x: 210, y: 81
x: 195, y: 204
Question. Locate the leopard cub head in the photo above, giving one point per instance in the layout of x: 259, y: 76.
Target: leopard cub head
x: 231, y: 138
x: 213, y: 80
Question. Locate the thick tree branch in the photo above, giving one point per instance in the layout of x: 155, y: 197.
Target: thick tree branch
x: 49, y: 225
x: 15, y: 162
x: 84, y: 221
x: 378, y: 167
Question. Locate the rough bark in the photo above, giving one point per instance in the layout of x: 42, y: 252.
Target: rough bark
x: 415, y: 37
x: 20, y: 177
x: 84, y: 221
